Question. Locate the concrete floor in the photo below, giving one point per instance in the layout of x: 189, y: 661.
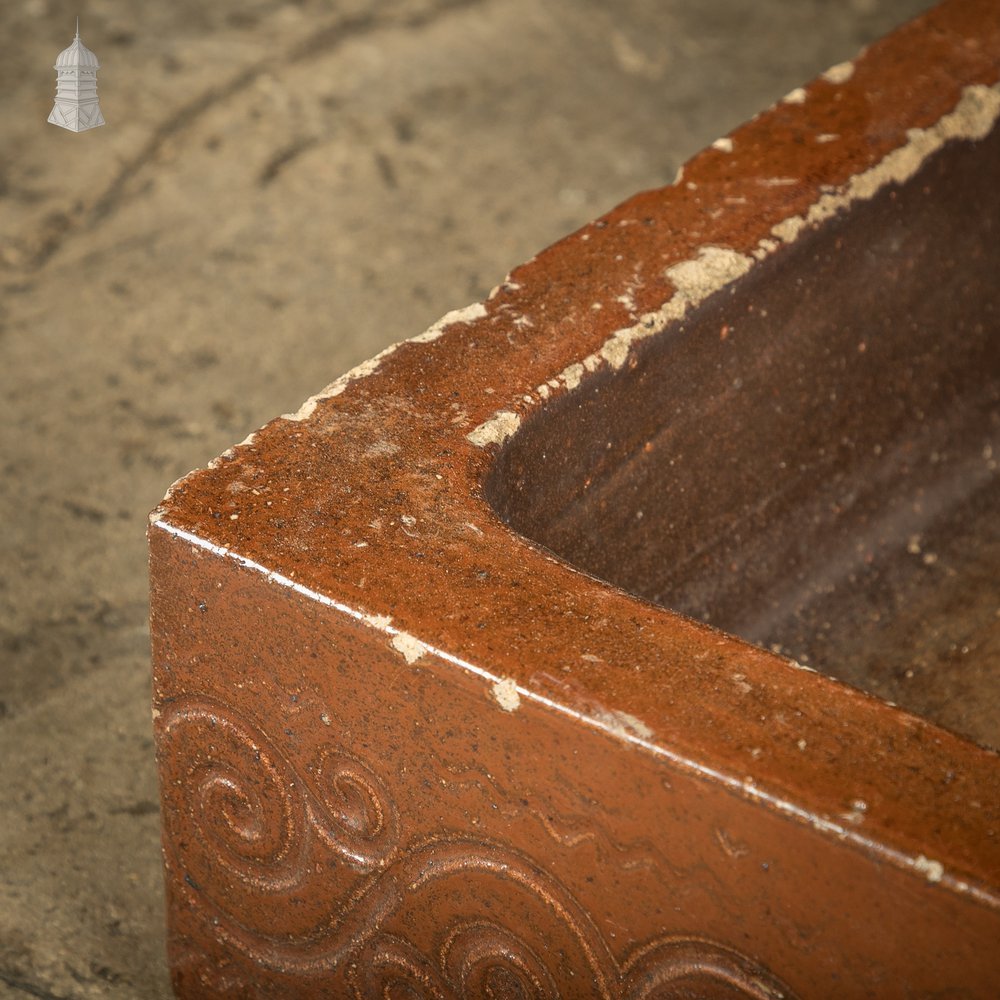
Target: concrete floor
x: 281, y: 190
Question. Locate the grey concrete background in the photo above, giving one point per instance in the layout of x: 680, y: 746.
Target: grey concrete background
x: 282, y: 189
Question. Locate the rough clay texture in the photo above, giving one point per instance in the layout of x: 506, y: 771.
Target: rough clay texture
x: 281, y: 191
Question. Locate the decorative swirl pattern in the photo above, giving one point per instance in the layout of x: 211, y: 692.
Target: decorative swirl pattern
x: 659, y: 968
x: 275, y: 830
x: 392, y: 967
x: 484, y: 959
x: 258, y: 814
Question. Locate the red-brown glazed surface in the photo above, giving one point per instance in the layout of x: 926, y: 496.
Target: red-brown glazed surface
x: 402, y: 746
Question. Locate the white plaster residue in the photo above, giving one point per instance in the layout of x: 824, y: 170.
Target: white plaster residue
x: 723, y: 145
x: 156, y: 514
x: 466, y: 315
x: 765, y: 247
x: 505, y: 694
x: 714, y: 268
x: 694, y: 280
x: 796, y: 96
x: 788, y: 229
x: 857, y: 812
x: 572, y: 375
x: 972, y: 118
x: 623, y: 724
x: 840, y: 73
x: 741, y: 684
x: 496, y: 430
x: 933, y: 871
x: 505, y: 286
x: 411, y: 648
x: 338, y: 385
x: 827, y: 137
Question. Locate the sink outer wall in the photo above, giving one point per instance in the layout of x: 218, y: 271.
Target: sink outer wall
x: 399, y: 743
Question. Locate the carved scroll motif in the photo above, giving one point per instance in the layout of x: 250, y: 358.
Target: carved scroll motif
x: 252, y: 826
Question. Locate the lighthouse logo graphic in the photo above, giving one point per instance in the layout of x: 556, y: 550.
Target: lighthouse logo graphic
x: 76, y: 106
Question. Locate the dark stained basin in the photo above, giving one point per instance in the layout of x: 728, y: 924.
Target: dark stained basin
x: 810, y: 460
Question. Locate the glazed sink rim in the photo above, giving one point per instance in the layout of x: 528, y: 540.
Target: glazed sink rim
x: 664, y: 684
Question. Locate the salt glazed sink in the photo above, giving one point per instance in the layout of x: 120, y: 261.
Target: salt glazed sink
x: 633, y: 633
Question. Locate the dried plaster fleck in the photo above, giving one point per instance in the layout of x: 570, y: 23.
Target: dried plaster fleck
x: 840, y: 73
x: 468, y: 314
x: 496, y: 430
x: 411, y: 648
x: 973, y: 117
x: 933, y: 871
x: 505, y: 694
x: 623, y: 724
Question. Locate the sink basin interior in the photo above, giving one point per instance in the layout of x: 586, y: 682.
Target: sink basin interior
x: 810, y: 460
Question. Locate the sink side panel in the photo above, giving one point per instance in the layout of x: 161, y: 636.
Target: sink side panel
x: 341, y: 817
